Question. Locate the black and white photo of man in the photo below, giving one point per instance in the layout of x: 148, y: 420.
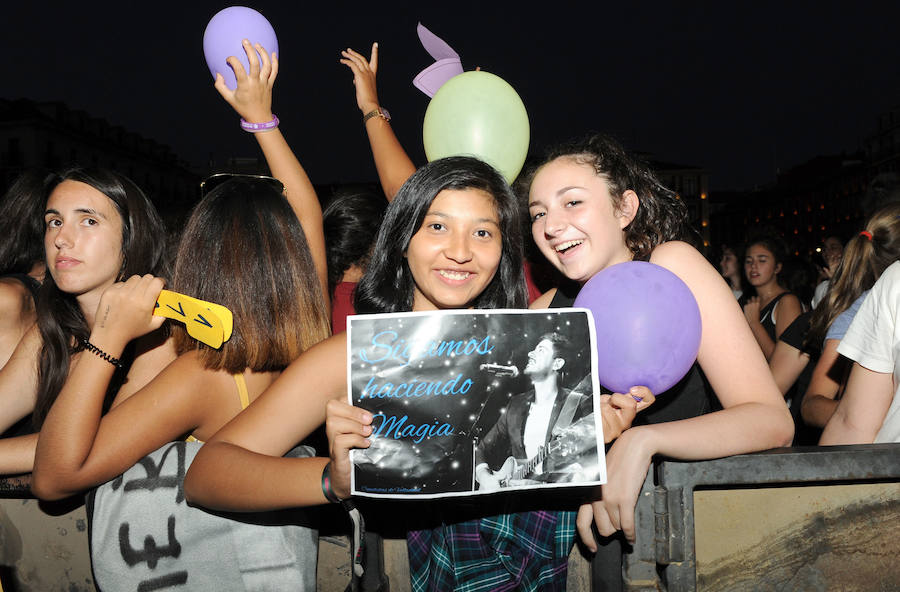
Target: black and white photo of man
x: 545, y: 434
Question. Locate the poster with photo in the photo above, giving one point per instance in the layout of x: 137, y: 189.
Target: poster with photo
x: 469, y: 402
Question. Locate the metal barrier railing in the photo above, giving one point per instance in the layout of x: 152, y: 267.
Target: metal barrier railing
x: 664, y: 556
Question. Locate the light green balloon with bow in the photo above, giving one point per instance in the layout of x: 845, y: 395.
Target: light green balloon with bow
x: 478, y: 114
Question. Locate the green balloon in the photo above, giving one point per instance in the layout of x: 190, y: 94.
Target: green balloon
x: 478, y: 114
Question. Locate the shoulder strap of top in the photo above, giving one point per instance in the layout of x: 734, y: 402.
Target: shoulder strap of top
x: 779, y: 297
x: 242, y: 393
x: 242, y: 390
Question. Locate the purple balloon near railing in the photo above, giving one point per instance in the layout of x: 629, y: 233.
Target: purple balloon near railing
x: 224, y: 34
x: 648, y: 326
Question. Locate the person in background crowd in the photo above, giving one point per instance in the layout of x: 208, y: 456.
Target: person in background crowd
x: 773, y: 308
x: 351, y: 224
x: 865, y: 258
x: 22, y: 264
x: 731, y: 271
x: 99, y: 227
x: 832, y: 251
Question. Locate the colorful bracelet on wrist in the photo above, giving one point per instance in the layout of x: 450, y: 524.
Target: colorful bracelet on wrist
x: 259, y: 127
x: 327, y: 490
x: 101, y: 354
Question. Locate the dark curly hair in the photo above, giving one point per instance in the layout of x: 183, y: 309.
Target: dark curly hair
x: 661, y: 215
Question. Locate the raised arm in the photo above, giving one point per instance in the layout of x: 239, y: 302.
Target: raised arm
x: 391, y: 161
x: 77, y: 449
x: 252, y: 99
x: 754, y: 415
x: 241, y: 468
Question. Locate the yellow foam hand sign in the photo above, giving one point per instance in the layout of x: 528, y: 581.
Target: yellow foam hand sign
x: 206, y: 322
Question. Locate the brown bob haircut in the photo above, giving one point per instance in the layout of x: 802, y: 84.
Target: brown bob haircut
x: 244, y: 248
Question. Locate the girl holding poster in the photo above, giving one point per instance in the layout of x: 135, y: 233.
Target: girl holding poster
x: 592, y: 205
x: 450, y: 240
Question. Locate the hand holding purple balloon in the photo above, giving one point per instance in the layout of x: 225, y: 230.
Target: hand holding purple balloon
x: 648, y: 326
x: 224, y: 36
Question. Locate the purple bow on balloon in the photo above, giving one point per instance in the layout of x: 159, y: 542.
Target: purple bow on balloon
x: 446, y: 67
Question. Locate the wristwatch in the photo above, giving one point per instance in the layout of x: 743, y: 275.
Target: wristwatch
x: 377, y: 112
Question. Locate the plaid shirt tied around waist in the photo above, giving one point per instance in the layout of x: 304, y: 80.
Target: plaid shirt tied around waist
x: 525, y: 551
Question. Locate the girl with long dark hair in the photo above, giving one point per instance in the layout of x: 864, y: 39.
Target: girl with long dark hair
x: 99, y: 228
x: 450, y: 239
x: 773, y: 307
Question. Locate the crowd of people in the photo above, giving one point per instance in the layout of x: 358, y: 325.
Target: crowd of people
x: 92, y: 382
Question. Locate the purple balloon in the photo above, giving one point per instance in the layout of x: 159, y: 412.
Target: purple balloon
x: 224, y: 34
x: 647, y: 323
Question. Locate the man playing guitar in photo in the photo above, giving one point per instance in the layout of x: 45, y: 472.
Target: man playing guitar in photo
x: 544, y: 431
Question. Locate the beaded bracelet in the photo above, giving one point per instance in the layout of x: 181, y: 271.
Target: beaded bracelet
x: 327, y: 490
x: 101, y: 354
x: 259, y: 127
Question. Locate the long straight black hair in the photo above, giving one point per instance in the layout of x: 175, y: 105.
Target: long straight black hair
x: 388, y: 284
x: 60, y: 321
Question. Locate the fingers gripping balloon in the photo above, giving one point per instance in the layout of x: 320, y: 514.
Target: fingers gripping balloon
x: 648, y: 326
x: 224, y: 34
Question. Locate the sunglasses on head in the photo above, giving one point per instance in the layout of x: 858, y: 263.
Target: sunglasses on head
x: 213, y: 181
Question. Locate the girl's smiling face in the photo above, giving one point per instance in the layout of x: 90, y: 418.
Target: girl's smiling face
x: 82, y: 239
x: 574, y: 221
x: 454, y: 255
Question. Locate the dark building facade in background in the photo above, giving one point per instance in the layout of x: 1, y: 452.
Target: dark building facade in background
x: 883, y: 146
x: 691, y: 184
x: 807, y: 203
x: 825, y: 196
x: 820, y: 198
x: 52, y: 136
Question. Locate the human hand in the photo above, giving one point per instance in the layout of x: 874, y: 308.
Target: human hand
x: 627, y: 463
x: 617, y: 411
x: 364, y: 72
x: 751, y: 309
x: 347, y: 427
x: 125, y: 312
x: 252, y: 99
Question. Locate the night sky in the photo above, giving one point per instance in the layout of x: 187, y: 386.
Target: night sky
x: 739, y: 91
